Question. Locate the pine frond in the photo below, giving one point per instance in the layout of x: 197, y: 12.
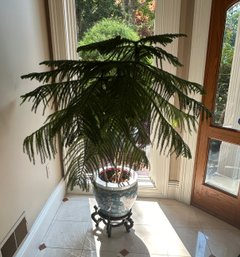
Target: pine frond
x: 105, y: 46
x: 44, y: 141
x: 161, y: 54
x: 103, y: 108
x: 163, y: 39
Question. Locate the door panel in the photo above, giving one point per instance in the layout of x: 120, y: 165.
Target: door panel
x: 222, y: 171
x: 217, y: 167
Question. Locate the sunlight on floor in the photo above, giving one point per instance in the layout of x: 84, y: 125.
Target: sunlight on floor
x: 162, y: 228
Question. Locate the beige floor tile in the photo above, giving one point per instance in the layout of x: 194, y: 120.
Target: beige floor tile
x: 87, y: 253
x: 74, y: 211
x: 58, y: 252
x: 67, y: 234
x: 162, y: 228
x: 161, y: 239
x: 194, y: 240
x: 208, y: 221
x: 181, y: 215
x: 115, y: 254
x: 152, y: 214
x: 118, y: 241
x: 224, y: 243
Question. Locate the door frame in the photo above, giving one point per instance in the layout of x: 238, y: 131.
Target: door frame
x: 202, y: 194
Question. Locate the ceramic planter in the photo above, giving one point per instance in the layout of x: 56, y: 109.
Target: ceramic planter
x: 116, y: 200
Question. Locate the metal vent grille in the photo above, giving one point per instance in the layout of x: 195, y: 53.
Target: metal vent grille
x: 14, y: 239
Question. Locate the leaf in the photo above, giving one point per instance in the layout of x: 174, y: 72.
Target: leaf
x: 106, y: 112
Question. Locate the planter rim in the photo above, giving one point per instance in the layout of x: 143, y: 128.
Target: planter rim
x: 116, y: 186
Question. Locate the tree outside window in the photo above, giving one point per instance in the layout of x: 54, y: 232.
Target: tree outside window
x: 137, y: 15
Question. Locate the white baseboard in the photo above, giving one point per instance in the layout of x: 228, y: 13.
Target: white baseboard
x: 29, y: 247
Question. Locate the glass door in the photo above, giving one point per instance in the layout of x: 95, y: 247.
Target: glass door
x: 217, y: 180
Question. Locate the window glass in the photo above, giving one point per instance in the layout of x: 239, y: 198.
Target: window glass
x: 131, y: 18
x: 227, y: 111
x: 223, y: 167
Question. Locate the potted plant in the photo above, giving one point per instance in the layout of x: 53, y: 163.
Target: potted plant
x: 102, y: 110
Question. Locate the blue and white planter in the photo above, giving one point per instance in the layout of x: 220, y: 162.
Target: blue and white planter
x: 114, y: 199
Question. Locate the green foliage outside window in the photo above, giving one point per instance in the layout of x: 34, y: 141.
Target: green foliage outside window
x: 103, y: 30
x: 226, y: 63
x: 138, y: 14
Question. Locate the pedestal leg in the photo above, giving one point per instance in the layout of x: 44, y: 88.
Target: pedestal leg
x: 112, y: 222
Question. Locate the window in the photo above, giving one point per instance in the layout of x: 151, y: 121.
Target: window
x: 136, y: 15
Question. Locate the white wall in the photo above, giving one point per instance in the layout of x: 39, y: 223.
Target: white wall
x: 24, y: 187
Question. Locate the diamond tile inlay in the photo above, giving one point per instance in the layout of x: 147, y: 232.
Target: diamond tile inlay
x: 42, y: 246
x: 124, y: 252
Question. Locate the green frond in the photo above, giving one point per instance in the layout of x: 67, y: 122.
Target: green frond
x: 102, y: 109
x: 168, y: 140
x: 84, y: 158
x: 163, y: 39
x: 161, y: 54
x: 43, y: 141
x: 105, y: 46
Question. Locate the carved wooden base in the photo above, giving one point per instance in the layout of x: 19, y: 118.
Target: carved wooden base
x: 112, y: 222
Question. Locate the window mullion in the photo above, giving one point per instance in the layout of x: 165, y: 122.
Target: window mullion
x: 63, y: 28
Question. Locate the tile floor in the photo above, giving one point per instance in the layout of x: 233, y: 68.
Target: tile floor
x: 162, y: 228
